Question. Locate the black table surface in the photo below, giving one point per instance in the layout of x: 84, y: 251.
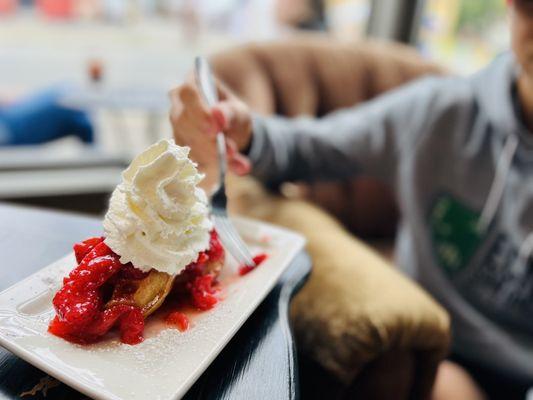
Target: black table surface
x: 258, y: 363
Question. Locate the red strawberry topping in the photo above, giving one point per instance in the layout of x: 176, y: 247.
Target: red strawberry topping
x: 82, y: 316
x: 179, y: 319
x: 203, y: 292
x: 258, y: 259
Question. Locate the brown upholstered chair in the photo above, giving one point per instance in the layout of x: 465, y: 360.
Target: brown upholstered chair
x: 363, y: 329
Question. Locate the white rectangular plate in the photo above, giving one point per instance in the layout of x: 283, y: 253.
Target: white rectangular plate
x: 168, y: 362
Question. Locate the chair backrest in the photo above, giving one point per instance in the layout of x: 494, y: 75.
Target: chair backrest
x: 315, y: 75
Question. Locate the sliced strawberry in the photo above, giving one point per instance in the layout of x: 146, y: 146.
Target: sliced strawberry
x: 129, y: 318
x: 81, y: 249
x: 81, y: 316
x: 77, y: 308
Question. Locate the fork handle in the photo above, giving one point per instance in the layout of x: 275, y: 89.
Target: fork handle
x: 206, y: 83
x: 223, y: 157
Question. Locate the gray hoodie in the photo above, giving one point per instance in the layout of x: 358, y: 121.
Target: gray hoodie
x: 461, y: 162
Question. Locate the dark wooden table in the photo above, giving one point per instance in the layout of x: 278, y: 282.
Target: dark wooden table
x: 258, y: 363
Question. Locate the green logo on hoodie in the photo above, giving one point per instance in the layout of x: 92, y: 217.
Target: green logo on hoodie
x: 454, y: 233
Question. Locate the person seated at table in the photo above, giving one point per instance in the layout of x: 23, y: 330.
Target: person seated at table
x: 41, y: 118
x: 459, y: 153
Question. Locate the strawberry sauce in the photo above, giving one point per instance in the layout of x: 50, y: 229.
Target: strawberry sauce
x: 178, y: 319
x: 82, y: 316
x: 258, y: 259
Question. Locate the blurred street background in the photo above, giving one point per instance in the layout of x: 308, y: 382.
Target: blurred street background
x: 113, y: 61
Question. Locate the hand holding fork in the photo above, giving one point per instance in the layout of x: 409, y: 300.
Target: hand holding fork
x: 197, y: 118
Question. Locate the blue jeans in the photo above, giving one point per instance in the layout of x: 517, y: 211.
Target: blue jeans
x: 40, y: 118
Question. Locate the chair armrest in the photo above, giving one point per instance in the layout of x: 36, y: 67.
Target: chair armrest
x: 361, y: 305
x: 355, y: 307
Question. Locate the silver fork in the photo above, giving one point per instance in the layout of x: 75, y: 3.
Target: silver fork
x: 228, y: 234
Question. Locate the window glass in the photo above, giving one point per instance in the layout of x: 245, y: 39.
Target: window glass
x: 463, y: 34
x: 347, y: 18
x: 162, y: 36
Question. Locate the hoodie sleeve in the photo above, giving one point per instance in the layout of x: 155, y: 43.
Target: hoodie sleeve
x: 368, y: 139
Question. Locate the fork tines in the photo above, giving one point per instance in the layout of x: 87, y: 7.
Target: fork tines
x: 232, y: 241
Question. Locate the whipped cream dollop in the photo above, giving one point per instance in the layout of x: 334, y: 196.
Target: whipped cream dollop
x: 158, y: 217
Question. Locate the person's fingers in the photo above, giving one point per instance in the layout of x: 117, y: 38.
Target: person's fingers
x: 224, y: 93
x: 194, y: 104
x: 191, y: 132
x: 191, y: 118
x: 184, y: 133
x: 176, y: 106
x: 186, y: 105
x: 231, y: 149
x: 189, y: 95
x: 238, y: 163
x: 204, y: 125
x: 219, y: 118
x: 174, y: 97
x: 224, y: 114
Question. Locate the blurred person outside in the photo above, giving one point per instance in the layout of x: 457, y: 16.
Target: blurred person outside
x: 459, y: 153
x: 40, y: 118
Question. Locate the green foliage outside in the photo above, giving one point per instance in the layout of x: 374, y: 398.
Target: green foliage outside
x: 475, y: 15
